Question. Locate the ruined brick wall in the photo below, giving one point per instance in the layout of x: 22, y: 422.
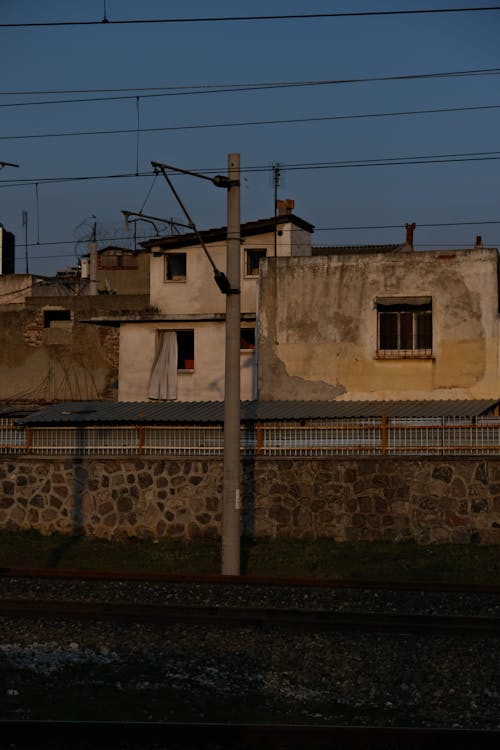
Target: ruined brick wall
x: 365, y: 499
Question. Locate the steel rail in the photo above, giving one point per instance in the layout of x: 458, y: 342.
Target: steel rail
x: 247, y: 580
x: 106, y: 734
x: 218, y: 616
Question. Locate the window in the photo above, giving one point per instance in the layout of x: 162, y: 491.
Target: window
x: 247, y: 339
x: 252, y: 261
x: 174, y: 352
x: 404, y: 327
x: 56, y: 318
x: 185, y: 350
x: 175, y: 267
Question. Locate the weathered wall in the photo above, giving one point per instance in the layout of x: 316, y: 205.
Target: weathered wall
x: 318, y: 326
x: 196, y: 303
x: 131, y: 278
x: 66, y: 360
x: 204, y: 383
x: 430, y: 500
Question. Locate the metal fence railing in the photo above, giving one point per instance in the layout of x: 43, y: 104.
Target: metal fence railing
x: 371, y: 436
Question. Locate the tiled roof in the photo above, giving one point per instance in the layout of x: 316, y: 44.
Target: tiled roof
x: 197, y: 412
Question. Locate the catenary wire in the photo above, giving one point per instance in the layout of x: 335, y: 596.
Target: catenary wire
x: 476, y: 222
x: 435, y: 245
x: 304, y: 166
x: 134, y: 90
x: 231, y: 88
x: 239, y: 19
x: 251, y: 123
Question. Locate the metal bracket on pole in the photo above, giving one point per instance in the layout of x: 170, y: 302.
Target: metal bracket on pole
x: 219, y: 181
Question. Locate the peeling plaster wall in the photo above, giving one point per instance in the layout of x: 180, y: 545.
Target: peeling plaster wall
x: 318, y: 326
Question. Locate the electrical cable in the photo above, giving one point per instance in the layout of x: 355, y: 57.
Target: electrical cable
x: 231, y: 88
x: 239, y: 19
x: 423, y: 225
x: 473, y: 156
x: 134, y: 90
x: 251, y: 123
x: 435, y: 245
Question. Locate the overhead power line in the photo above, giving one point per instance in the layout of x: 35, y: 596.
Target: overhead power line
x: 134, y: 90
x: 227, y: 88
x: 238, y: 19
x: 398, y: 226
x: 421, y: 225
x: 304, y: 166
x: 250, y: 123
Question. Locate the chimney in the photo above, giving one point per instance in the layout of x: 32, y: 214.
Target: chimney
x: 479, y: 241
x: 410, y: 228
x: 285, y: 207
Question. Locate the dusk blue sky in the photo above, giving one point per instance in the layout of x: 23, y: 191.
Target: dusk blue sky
x: 107, y: 56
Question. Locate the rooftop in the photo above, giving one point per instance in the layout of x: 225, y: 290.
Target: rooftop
x: 168, y: 412
x: 217, y: 234
x: 358, y: 249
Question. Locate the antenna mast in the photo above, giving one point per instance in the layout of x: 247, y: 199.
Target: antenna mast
x: 276, y: 182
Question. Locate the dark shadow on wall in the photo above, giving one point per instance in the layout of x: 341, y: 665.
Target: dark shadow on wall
x: 79, y: 487
x: 248, y: 510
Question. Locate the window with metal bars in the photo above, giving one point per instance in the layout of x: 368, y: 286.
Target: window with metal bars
x: 404, y: 327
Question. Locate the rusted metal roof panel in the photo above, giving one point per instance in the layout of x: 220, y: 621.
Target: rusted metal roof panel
x: 199, y: 412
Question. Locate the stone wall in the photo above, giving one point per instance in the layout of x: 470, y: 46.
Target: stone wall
x: 365, y: 499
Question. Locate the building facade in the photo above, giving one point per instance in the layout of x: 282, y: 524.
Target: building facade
x: 177, y: 352
x: 397, y: 325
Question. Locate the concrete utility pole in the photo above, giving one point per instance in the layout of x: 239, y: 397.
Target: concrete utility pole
x: 229, y: 284
x: 231, y: 497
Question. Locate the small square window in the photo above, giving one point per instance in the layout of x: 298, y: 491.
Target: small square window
x: 175, y: 267
x: 247, y: 339
x: 253, y: 260
x: 404, y: 327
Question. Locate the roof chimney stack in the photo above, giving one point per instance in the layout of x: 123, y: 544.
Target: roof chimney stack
x: 479, y: 241
x: 285, y: 207
x: 410, y: 228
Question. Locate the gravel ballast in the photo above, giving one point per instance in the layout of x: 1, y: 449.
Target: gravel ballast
x: 163, y: 672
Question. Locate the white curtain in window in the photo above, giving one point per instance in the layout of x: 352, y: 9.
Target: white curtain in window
x: 163, y: 380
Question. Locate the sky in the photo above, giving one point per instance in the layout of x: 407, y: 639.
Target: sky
x: 161, y: 82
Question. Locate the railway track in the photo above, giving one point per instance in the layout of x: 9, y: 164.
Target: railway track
x: 176, y: 736
x: 323, y: 620
x: 76, y: 620
x: 46, y: 601
x: 247, y: 580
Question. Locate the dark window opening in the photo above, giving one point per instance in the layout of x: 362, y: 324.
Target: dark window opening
x: 405, y: 329
x: 175, y: 267
x: 55, y: 316
x: 253, y: 260
x: 185, y: 350
x: 247, y: 338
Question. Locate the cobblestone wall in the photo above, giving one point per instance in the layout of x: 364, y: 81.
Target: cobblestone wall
x: 429, y: 500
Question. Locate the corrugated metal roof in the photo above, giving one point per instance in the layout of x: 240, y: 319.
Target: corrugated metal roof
x: 199, y: 412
